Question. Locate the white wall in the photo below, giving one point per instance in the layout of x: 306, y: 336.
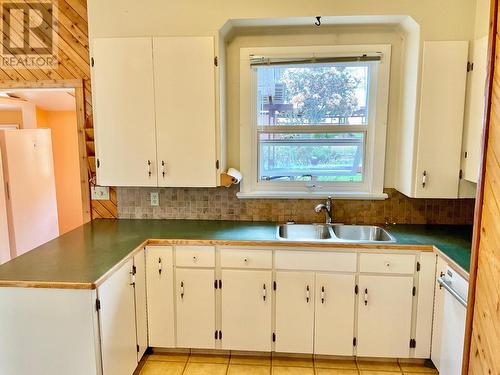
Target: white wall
x: 444, y: 19
x: 482, y: 16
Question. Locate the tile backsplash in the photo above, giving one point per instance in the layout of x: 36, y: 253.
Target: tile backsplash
x: 222, y: 204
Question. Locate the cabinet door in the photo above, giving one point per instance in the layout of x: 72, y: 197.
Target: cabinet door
x: 444, y: 72
x: 475, y: 109
x: 124, y: 113
x: 294, y: 312
x: 141, y: 314
x: 247, y: 299
x: 185, y: 111
x: 384, y: 316
x: 195, y: 308
x: 334, y: 315
x: 160, y: 288
x: 117, y: 318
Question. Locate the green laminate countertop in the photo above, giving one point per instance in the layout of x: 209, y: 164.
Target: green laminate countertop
x: 87, y: 253
x: 454, y: 241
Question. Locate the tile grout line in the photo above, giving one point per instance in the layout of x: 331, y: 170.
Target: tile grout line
x: 228, y: 362
x: 185, y: 364
x: 400, y: 368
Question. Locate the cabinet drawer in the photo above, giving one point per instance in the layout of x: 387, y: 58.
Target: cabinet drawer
x: 160, y: 256
x: 234, y: 258
x: 195, y: 256
x: 316, y: 261
x: 387, y: 263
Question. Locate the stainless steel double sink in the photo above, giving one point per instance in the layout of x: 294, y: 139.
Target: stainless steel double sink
x: 338, y: 233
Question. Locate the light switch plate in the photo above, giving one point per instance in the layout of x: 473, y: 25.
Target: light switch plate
x: 155, y: 199
x: 100, y: 193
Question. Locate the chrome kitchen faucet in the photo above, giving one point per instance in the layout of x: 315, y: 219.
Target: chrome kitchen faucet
x: 328, y: 208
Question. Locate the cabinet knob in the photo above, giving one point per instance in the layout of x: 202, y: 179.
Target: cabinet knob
x: 182, y: 290
x: 264, y: 292
x: 323, y: 294
x: 366, y: 297
x: 308, y: 294
x: 245, y: 260
x: 387, y: 264
x: 195, y: 259
x: 163, y: 169
x: 424, y: 179
x: 159, y: 266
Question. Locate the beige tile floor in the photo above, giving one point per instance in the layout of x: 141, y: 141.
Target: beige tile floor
x: 197, y: 364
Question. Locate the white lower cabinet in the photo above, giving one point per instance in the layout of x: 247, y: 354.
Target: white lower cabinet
x: 160, y: 293
x: 384, y: 316
x: 141, y: 314
x: 195, y: 301
x: 249, y: 299
x: 246, y: 310
x: 294, y: 312
x: 334, y: 314
x: 117, y: 322
x: 203, y: 297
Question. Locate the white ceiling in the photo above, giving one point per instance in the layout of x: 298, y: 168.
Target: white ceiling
x: 48, y: 99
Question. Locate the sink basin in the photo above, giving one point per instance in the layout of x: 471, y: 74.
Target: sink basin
x: 362, y: 233
x: 304, y: 232
x: 333, y: 233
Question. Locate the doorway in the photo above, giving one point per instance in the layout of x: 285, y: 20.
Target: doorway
x: 56, y: 113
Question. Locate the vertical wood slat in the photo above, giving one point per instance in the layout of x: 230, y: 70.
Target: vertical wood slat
x: 482, y: 337
x: 73, y: 45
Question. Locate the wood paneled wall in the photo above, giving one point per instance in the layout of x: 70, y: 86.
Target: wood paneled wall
x: 73, y: 63
x: 482, y: 346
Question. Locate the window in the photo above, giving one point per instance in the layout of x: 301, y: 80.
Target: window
x: 316, y: 119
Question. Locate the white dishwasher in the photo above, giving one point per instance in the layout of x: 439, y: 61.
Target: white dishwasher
x: 449, y: 321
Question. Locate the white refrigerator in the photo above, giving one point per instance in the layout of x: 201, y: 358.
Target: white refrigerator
x: 29, y: 192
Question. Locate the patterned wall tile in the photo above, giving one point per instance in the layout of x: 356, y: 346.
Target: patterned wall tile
x: 222, y: 204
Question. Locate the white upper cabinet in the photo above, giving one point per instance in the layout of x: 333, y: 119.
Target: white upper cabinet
x: 442, y: 101
x: 124, y: 111
x: 429, y: 162
x: 155, y: 111
x: 185, y: 111
x: 475, y: 110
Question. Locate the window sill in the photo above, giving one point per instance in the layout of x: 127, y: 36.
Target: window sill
x: 351, y: 195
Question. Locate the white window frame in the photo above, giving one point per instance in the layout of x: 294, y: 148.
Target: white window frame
x: 374, y: 158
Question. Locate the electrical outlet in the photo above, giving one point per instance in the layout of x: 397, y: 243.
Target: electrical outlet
x: 100, y: 193
x: 155, y: 199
